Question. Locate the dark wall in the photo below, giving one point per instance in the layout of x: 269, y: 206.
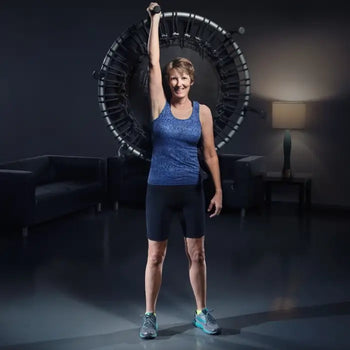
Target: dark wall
x: 299, y: 52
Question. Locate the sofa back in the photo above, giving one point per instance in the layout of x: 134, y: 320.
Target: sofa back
x: 47, y: 168
x: 135, y: 167
x: 75, y: 168
x: 227, y: 164
x: 39, y: 166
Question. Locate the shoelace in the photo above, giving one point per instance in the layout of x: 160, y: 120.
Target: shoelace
x: 148, y: 322
x: 209, y: 317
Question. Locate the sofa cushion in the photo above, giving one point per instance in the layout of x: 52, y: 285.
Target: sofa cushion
x: 52, y: 190
x: 61, y: 198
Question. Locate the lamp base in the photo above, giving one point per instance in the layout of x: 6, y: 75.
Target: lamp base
x: 287, y: 173
x: 287, y: 146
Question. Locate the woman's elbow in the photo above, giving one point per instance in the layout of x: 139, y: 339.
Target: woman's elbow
x: 210, y: 156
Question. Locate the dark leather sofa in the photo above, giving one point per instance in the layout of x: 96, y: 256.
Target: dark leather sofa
x: 241, y: 177
x: 242, y: 181
x: 127, y: 180
x: 38, y: 189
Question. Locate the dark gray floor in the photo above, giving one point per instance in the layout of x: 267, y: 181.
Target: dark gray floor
x: 275, y: 281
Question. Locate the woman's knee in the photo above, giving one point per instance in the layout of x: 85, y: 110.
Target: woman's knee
x: 156, y: 255
x: 156, y: 259
x: 197, y: 256
x: 156, y: 252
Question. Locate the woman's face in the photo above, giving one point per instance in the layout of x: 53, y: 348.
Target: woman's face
x: 179, y: 82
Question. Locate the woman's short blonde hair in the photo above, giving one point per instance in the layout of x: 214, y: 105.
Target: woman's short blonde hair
x: 181, y: 63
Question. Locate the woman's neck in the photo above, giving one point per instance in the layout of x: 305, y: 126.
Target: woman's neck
x: 181, y: 103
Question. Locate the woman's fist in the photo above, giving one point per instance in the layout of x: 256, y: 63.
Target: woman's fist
x: 153, y: 9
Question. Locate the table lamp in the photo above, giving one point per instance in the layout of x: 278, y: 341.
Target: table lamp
x: 288, y: 115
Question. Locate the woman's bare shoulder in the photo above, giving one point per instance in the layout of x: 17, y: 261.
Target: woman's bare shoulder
x: 204, y: 112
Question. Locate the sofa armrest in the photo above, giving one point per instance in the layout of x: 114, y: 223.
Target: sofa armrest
x: 250, y: 166
x: 79, y: 168
x: 17, y: 196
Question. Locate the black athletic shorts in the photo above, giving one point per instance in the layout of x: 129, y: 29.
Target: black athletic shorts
x: 162, y: 202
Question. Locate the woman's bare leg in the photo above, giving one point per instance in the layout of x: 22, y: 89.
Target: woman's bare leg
x: 153, y: 273
x: 194, y: 248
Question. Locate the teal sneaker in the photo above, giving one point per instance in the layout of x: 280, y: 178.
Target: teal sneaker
x: 149, y: 326
x: 207, y: 322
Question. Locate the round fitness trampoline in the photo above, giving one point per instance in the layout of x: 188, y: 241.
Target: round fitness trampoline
x: 221, y: 78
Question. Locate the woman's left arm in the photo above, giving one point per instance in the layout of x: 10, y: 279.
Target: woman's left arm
x: 211, y: 157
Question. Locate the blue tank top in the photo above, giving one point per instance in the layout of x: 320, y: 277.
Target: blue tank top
x: 174, y: 155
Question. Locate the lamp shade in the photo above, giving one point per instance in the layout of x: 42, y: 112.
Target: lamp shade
x: 288, y: 115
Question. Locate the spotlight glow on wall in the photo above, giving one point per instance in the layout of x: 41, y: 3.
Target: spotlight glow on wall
x: 299, y: 65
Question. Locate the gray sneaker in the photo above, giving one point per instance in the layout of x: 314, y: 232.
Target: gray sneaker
x: 149, y: 327
x: 206, y: 321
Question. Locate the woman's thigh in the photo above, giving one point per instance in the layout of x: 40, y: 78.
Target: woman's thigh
x: 158, y: 213
x: 193, y: 214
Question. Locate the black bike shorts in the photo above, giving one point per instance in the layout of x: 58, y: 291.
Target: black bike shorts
x: 163, y: 201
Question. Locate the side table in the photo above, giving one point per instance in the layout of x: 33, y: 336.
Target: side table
x: 300, y: 180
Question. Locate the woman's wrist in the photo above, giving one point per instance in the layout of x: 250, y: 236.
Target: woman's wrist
x: 155, y: 18
x: 218, y: 190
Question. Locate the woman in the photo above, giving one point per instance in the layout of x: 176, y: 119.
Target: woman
x: 174, y: 180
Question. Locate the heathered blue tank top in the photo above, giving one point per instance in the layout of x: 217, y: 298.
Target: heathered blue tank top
x: 174, y: 156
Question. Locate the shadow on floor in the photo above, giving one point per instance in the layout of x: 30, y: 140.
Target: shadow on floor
x: 230, y: 325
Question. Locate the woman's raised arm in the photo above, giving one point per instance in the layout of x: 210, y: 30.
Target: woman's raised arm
x: 156, y: 92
